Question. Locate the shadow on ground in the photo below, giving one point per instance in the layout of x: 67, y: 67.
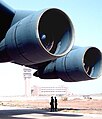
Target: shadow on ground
x: 7, y: 114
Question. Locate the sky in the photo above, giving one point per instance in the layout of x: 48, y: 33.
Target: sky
x: 86, y: 16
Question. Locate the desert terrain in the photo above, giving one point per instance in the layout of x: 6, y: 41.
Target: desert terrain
x: 90, y: 106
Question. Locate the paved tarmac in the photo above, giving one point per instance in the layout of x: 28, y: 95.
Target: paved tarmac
x: 25, y: 113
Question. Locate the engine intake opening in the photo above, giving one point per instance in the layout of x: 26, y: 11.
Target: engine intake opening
x: 93, y: 62
x: 56, y: 31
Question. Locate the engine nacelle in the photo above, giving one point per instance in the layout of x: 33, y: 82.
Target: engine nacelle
x: 80, y: 64
x: 42, y: 36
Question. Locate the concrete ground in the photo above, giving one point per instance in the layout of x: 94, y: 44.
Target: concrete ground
x: 29, y: 113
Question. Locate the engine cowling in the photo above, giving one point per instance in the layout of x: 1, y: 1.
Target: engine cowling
x: 42, y: 36
x: 80, y: 64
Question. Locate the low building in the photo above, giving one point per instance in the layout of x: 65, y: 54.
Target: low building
x: 49, y: 91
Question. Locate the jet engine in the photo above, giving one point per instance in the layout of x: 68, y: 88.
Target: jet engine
x: 43, y: 40
x: 41, y: 36
x: 80, y: 64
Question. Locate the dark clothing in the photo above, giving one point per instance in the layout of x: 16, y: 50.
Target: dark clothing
x: 52, y: 104
x: 55, y: 104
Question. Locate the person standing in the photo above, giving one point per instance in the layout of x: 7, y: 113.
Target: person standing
x: 52, y: 104
x: 56, y: 104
